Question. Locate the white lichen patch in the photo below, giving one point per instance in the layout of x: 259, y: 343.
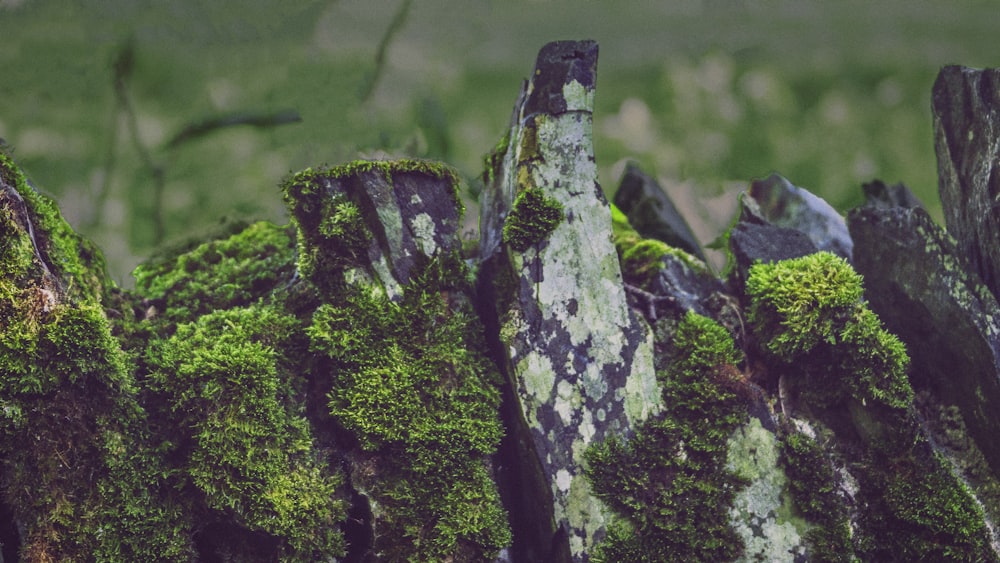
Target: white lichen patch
x: 758, y: 514
x: 537, y: 377
x: 578, y: 97
x: 423, y: 229
x: 567, y: 400
x: 587, y: 514
x: 642, y: 391
x: 563, y: 480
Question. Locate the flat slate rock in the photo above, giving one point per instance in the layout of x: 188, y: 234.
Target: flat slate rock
x: 918, y: 284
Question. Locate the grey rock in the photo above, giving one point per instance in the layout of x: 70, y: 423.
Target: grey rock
x: 783, y: 204
x: 752, y: 242
x: 966, y: 108
x: 579, y: 361
x: 880, y: 194
x: 652, y: 213
x: 918, y: 283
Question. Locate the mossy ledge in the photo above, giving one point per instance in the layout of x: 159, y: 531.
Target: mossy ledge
x: 351, y: 387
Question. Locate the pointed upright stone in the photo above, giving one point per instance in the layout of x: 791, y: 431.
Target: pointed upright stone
x: 579, y: 362
x: 966, y: 107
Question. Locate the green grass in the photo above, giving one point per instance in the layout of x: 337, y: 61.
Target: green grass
x: 828, y: 94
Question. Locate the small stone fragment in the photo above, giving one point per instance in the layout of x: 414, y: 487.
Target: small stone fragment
x: 783, y: 204
x: 652, y: 213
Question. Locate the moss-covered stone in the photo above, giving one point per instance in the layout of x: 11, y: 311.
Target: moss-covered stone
x: 641, y: 258
x: 532, y: 217
x: 852, y: 374
x: 79, y: 471
x: 235, y: 432
x: 809, y: 310
x: 669, y: 483
x: 813, y: 487
x: 411, y: 382
x: 350, y: 220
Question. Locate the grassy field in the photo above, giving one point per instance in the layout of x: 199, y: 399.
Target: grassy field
x: 706, y: 94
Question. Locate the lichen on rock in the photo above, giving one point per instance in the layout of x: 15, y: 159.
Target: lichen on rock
x: 669, y: 484
x: 580, y: 362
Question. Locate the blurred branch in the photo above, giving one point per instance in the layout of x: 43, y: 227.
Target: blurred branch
x: 204, y: 127
x: 397, y: 23
x: 123, y: 66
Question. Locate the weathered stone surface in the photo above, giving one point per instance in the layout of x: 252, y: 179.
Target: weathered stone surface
x: 919, y: 284
x: 880, y: 194
x: 753, y: 240
x: 416, y: 392
x: 652, y: 213
x: 782, y: 204
x: 966, y: 108
x: 580, y: 362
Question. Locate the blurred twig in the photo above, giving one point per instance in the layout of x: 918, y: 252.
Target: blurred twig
x: 123, y: 66
x: 394, y: 26
x: 198, y: 129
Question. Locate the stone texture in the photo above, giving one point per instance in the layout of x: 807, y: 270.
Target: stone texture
x: 754, y: 240
x: 880, y: 194
x: 966, y: 108
x: 652, y: 213
x: 782, y: 204
x: 580, y: 362
x: 917, y: 282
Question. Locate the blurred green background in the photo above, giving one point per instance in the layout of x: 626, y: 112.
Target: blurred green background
x: 706, y: 94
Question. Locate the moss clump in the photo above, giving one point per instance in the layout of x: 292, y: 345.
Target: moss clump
x: 808, y: 311
x: 670, y: 482
x: 220, y: 274
x: 916, y: 510
x: 532, y: 217
x: 641, y: 257
x: 412, y: 384
x: 72, y: 262
x: 813, y: 483
x: 235, y: 433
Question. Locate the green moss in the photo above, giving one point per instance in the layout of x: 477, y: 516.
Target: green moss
x: 220, y: 274
x: 224, y: 383
x: 532, y: 217
x: 76, y: 263
x: 808, y: 311
x: 412, y: 384
x: 812, y: 483
x: 77, y: 470
x: 641, y: 258
x: 937, y: 502
x: 669, y: 482
x: 916, y: 510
